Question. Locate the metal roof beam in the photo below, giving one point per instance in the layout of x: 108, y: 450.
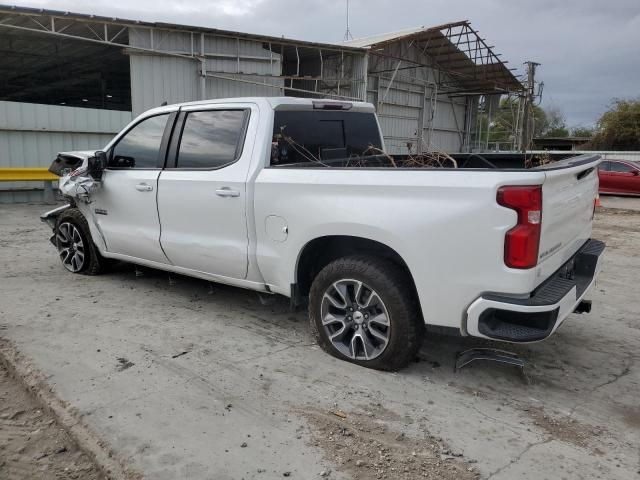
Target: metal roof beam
x: 45, y: 16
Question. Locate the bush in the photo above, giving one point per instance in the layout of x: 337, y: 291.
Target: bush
x: 619, y: 127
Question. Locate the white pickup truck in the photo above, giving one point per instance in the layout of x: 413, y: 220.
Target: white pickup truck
x: 296, y: 197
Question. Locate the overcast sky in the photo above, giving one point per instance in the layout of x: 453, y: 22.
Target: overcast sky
x: 589, y: 49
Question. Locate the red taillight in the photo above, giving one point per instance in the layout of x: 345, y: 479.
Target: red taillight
x: 522, y: 242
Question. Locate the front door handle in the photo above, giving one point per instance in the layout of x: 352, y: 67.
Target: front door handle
x: 227, y: 192
x: 144, y: 187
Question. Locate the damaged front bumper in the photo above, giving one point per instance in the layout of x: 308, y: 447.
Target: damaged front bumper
x: 79, y: 178
x: 75, y: 182
x: 50, y: 217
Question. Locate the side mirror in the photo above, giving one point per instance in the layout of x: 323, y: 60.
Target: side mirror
x: 97, y: 164
x: 636, y: 173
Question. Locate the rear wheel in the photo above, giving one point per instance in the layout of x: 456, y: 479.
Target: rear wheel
x: 364, y: 310
x: 76, y: 249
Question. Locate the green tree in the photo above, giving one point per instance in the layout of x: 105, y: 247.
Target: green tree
x: 555, y: 124
x: 619, y: 127
x: 583, y: 132
x: 546, y: 123
x: 502, y: 122
x: 558, y: 132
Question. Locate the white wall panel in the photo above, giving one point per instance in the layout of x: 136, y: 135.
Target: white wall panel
x: 31, y: 135
x: 249, y: 68
x: 156, y: 79
x: 38, y: 117
x: 168, y: 78
x: 606, y: 155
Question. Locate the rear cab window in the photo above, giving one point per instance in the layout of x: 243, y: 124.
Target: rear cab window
x: 313, y: 136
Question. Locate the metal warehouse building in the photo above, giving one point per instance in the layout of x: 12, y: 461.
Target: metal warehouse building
x: 427, y: 82
x: 71, y: 81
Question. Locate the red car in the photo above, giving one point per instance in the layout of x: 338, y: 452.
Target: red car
x: 620, y: 177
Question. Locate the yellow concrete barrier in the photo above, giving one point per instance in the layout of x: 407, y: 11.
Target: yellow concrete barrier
x: 26, y: 175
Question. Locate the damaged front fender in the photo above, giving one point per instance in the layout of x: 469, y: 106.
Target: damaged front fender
x: 51, y: 216
x: 67, y: 162
x: 77, y: 180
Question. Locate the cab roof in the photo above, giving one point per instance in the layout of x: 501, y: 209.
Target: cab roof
x: 274, y: 103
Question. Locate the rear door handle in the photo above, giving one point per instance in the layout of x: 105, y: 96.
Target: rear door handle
x: 144, y: 187
x: 227, y: 192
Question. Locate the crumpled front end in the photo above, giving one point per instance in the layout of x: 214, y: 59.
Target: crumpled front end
x: 76, y: 181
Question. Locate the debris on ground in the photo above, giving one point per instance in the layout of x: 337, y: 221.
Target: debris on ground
x: 566, y: 429
x: 365, y: 447
x: 123, y: 364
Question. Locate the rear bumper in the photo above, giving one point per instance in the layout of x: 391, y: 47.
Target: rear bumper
x: 533, y: 317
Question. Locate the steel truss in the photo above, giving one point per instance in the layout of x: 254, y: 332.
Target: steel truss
x: 344, y: 80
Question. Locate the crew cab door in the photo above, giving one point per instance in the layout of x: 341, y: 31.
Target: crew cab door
x: 125, y: 208
x: 202, y: 191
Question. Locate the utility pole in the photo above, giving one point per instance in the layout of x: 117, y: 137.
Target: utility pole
x: 347, y: 33
x: 527, y: 124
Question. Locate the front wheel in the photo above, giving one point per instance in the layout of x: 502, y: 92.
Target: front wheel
x: 75, y: 246
x: 363, y: 310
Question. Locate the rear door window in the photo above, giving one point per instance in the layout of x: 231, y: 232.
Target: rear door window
x: 604, y: 166
x: 211, y: 139
x: 312, y: 136
x: 620, y: 167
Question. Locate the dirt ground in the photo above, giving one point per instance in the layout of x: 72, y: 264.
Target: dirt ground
x: 623, y: 203
x: 32, y: 443
x: 363, y: 446
x: 183, y: 379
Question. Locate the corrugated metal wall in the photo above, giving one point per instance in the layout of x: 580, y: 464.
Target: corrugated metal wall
x: 235, y: 67
x: 156, y: 79
x: 159, y: 78
x: 410, y: 108
x: 32, y: 134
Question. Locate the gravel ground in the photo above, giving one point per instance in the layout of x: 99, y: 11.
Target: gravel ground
x: 182, y: 379
x: 362, y: 445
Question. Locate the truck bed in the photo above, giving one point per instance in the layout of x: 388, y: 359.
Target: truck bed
x: 473, y: 161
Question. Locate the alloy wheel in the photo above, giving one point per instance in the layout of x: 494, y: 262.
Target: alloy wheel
x: 70, y: 247
x: 355, y: 319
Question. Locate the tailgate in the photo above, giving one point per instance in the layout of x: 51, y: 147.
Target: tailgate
x: 568, y: 195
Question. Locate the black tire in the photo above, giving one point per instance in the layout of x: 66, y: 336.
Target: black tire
x: 394, y: 287
x: 93, y: 263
